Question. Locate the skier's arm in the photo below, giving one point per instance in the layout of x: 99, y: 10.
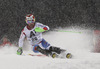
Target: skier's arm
x: 21, y: 40
x: 41, y: 28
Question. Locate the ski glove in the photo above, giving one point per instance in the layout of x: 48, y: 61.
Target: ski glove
x: 19, y: 51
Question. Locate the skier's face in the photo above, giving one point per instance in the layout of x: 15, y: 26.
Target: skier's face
x: 30, y: 21
x: 31, y: 24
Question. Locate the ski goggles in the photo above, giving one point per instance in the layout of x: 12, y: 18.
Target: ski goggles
x: 30, y: 21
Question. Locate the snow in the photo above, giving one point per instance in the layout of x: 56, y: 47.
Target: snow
x: 79, y: 44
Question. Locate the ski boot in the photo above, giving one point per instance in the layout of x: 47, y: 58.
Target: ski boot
x: 54, y: 55
x: 55, y: 49
x: 68, y: 55
x: 44, y: 51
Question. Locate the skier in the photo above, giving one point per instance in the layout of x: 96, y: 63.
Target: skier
x: 33, y: 32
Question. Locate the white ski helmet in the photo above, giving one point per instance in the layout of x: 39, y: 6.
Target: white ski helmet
x: 30, y: 19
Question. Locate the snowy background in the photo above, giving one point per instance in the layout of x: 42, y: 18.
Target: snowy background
x: 79, y: 44
x: 71, y: 22
x: 54, y: 13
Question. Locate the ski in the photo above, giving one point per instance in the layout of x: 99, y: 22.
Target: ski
x: 63, y: 54
x: 53, y: 55
x: 37, y: 55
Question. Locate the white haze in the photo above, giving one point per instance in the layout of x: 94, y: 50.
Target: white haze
x: 79, y: 44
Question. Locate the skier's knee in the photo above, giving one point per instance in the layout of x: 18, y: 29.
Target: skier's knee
x: 38, y: 48
x: 35, y: 49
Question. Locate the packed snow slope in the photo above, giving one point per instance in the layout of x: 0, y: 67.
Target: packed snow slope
x: 78, y: 42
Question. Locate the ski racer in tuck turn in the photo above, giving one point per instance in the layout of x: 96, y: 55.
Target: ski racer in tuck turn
x: 33, y: 32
